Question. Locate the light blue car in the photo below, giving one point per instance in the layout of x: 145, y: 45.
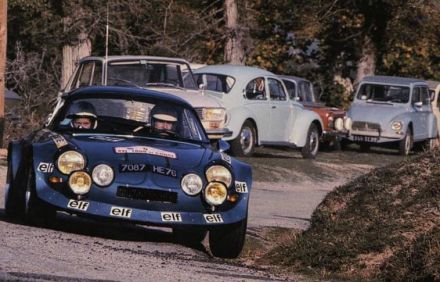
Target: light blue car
x: 392, y: 110
x: 259, y: 111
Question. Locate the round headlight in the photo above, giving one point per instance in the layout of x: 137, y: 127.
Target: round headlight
x: 215, y: 193
x: 396, y: 125
x: 339, y: 124
x: 70, y: 161
x: 347, y: 123
x: 191, y: 184
x: 219, y: 173
x: 102, y: 175
x: 80, y: 182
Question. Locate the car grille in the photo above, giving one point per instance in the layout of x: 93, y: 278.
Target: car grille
x: 147, y: 194
x: 365, y: 126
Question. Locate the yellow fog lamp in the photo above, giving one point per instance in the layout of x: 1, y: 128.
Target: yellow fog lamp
x: 70, y: 161
x: 80, y: 182
x: 215, y: 193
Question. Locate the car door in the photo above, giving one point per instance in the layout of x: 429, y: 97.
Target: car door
x: 420, y: 113
x: 258, y: 105
x: 280, y: 110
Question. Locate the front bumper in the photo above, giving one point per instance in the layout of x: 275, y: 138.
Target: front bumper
x: 219, y: 134
x: 166, y: 217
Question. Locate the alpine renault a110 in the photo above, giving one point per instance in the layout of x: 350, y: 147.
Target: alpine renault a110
x: 134, y: 155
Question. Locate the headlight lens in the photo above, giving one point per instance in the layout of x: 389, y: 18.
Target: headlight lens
x: 191, y: 184
x: 219, y: 173
x: 215, y: 193
x: 102, y: 175
x: 339, y: 124
x: 347, y: 123
x: 70, y: 161
x: 396, y: 125
x: 80, y: 182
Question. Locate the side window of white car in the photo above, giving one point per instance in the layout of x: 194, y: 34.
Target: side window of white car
x: 89, y: 73
x: 425, y: 96
x: 256, y: 90
x: 291, y: 88
x: 276, y: 90
x: 416, y: 97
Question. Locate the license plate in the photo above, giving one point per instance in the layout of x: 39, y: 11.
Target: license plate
x: 365, y: 138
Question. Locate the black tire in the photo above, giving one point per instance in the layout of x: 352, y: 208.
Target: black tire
x: 244, y: 144
x: 310, y: 150
x: 227, y: 241
x: 406, y: 144
x: 15, y: 197
x: 37, y: 212
x: 365, y: 147
x: 429, y: 144
x: 189, y: 237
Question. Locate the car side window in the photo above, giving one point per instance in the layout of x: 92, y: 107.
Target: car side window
x: 276, y: 90
x: 416, y: 97
x: 97, y: 74
x: 425, y: 96
x: 86, y: 74
x: 89, y: 73
x: 306, y: 92
x: 256, y: 90
x: 291, y: 88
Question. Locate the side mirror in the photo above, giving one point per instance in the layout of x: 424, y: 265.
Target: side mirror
x: 363, y: 97
x: 223, y: 146
x: 297, y: 98
x: 202, y: 86
x: 418, y: 104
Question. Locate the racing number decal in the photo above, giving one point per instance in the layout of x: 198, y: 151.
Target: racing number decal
x: 133, y: 167
x: 241, y: 187
x: 120, y: 212
x: 213, y: 218
x: 78, y: 205
x: 171, y: 216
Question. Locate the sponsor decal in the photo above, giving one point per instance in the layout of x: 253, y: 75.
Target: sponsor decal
x: 45, y: 167
x: 241, y: 187
x: 213, y: 218
x: 145, y: 150
x: 226, y: 158
x: 59, y: 140
x: 106, y: 138
x: 133, y: 168
x: 164, y: 171
x: 120, y: 212
x: 171, y: 217
x: 78, y: 205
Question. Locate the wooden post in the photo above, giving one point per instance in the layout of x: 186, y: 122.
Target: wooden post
x: 234, y: 53
x: 3, y: 42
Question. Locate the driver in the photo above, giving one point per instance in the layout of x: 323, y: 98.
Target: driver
x: 83, y: 116
x: 163, y: 119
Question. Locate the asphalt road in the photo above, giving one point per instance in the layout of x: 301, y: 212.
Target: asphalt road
x: 286, y: 190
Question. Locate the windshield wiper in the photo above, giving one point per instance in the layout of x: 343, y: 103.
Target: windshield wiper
x: 127, y: 82
x: 164, y: 84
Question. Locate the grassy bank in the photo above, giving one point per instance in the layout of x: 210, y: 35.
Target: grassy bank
x: 384, y: 225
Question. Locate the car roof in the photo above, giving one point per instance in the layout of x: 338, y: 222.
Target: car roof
x: 125, y: 92
x: 234, y: 70
x: 294, y: 78
x: 392, y: 80
x: 132, y: 58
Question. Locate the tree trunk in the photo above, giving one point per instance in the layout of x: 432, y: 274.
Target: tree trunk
x: 3, y: 42
x: 71, y: 54
x: 367, y: 62
x: 234, y: 52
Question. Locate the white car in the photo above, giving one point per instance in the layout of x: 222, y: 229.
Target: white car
x: 170, y: 75
x: 259, y: 111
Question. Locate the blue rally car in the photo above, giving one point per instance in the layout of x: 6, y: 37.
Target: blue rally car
x: 134, y: 155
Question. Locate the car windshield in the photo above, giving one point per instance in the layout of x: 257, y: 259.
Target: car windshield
x: 131, y: 117
x: 143, y: 73
x: 384, y: 93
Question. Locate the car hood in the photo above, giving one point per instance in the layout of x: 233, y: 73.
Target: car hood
x: 193, y: 97
x: 375, y: 112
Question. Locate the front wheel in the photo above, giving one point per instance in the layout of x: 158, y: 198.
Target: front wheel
x: 406, y: 143
x: 244, y: 144
x: 227, y: 241
x: 310, y: 149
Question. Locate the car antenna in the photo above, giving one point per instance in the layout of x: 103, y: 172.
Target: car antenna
x: 106, y: 47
